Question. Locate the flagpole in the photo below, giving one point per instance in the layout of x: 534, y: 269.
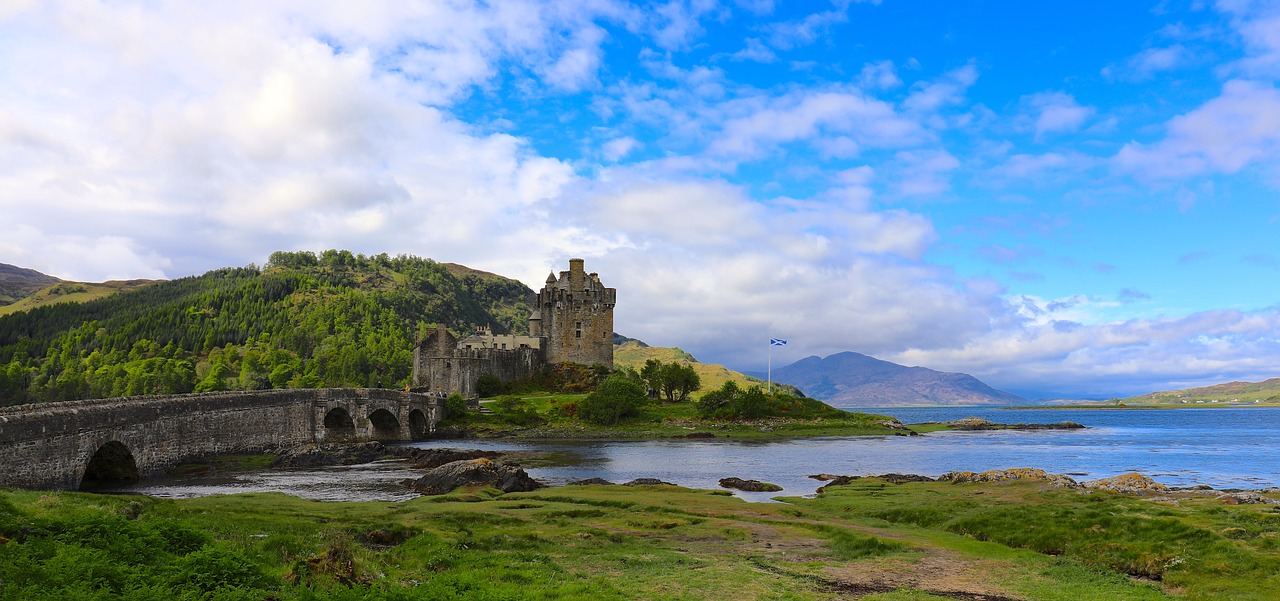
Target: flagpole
x: 768, y: 386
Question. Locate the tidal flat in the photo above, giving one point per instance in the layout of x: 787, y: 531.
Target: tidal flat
x: 869, y: 539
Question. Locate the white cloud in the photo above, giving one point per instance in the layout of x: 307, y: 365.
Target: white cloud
x: 1053, y: 112
x: 879, y: 76
x: 1119, y: 358
x: 756, y: 51
x: 1149, y: 62
x: 1239, y: 128
x: 810, y: 116
x: 923, y: 173
x: 948, y: 90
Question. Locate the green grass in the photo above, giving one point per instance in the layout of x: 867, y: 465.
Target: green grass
x: 1199, y: 546
x: 549, y: 416
x: 868, y: 540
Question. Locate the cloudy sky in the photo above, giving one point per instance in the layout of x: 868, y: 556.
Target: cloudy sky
x: 1060, y: 198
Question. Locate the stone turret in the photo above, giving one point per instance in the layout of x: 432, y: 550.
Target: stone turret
x: 575, y: 314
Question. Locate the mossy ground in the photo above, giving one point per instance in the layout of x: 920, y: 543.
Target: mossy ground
x: 869, y: 540
x: 551, y: 416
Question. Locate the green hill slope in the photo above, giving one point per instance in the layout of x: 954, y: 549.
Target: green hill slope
x: 1236, y: 393
x: 634, y: 353
x: 72, y: 292
x: 336, y: 319
x: 16, y: 283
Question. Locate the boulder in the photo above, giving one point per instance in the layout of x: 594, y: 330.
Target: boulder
x: 433, y: 458
x: 749, y: 485
x: 318, y: 455
x: 591, y: 481
x: 1132, y: 483
x: 470, y: 472
x: 1016, y: 473
x: 977, y: 423
x: 890, y: 478
x: 1247, y: 497
x: 646, y: 482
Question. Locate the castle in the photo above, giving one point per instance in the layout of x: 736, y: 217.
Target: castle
x: 571, y: 322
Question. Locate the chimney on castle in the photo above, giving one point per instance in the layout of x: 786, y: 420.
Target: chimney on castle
x: 577, y: 275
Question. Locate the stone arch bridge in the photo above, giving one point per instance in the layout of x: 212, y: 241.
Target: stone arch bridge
x: 62, y: 446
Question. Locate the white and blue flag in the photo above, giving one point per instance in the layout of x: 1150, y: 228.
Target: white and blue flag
x: 777, y: 342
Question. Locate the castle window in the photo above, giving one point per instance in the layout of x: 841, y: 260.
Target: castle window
x: 578, y: 333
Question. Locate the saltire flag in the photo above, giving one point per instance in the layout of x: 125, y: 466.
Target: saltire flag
x: 777, y: 342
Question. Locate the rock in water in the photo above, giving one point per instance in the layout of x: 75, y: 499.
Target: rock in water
x: 749, y: 485
x: 591, y: 482
x: 432, y: 458
x: 507, y: 478
x: 647, y: 482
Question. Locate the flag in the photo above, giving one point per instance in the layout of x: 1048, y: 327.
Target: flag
x: 777, y: 342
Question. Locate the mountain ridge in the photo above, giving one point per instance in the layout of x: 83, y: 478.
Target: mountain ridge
x: 855, y: 380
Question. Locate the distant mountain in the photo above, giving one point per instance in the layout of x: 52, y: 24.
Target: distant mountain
x: 17, y: 283
x: 855, y: 380
x: 1266, y: 391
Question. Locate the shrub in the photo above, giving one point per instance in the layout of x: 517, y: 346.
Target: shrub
x: 213, y: 568
x: 617, y: 398
x: 455, y: 407
x: 488, y: 385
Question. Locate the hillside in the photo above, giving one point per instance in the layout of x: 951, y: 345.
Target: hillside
x: 855, y: 380
x: 17, y: 283
x: 1267, y: 391
x: 72, y: 292
x: 633, y: 353
x: 336, y: 319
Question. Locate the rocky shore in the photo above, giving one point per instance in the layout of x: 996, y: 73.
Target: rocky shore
x: 978, y: 423
x: 1130, y: 484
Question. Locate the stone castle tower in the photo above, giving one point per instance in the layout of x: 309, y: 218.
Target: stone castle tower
x: 571, y: 321
x: 574, y: 313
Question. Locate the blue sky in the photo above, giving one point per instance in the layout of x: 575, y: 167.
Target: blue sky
x: 1074, y: 201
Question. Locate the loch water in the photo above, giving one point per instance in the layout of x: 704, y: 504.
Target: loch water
x: 1219, y: 447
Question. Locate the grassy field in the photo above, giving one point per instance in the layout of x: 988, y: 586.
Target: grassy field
x: 869, y: 540
x: 550, y: 416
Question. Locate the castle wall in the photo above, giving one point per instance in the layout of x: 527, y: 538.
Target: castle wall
x: 458, y: 372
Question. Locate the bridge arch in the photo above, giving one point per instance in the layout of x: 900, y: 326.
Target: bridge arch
x: 111, y: 463
x: 383, y: 425
x: 418, y: 425
x: 339, y: 425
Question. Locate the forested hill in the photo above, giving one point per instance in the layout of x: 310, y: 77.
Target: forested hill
x: 303, y: 320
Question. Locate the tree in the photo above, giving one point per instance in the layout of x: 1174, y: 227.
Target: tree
x: 679, y: 380
x: 618, y: 397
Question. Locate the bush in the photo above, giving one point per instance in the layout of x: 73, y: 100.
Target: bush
x: 617, y: 398
x: 455, y: 407
x: 732, y: 402
x: 512, y: 409
x: 488, y: 385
